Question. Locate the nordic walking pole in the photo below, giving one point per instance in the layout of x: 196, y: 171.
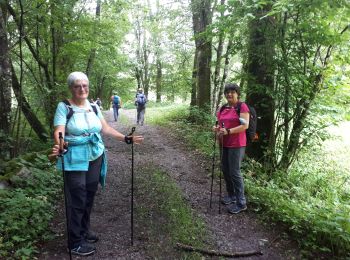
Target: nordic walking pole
x: 132, y: 186
x: 221, y: 153
x: 62, y: 152
x: 213, y: 168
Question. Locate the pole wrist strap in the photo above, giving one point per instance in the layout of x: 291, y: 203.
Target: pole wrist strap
x: 128, y: 139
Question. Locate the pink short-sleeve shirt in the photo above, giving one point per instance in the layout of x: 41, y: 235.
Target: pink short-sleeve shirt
x: 230, y: 118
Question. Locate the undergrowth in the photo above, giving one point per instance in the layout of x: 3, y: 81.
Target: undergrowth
x: 26, y: 206
x: 176, y: 119
x: 312, y: 200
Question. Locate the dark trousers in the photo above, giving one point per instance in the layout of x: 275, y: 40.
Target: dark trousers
x: 81, y: 187
x: 115, y: 112
x: 231, y: 167
x: 141, y: 114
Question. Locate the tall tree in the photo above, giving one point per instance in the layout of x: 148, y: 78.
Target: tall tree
x: 260, y: 78
x: 218, y: 63
x: 5, y: 82
x: 93, y: 50
x: 202, y: 18
x: 224, y: 74
x: 142, y: 67
x: 289, y: 55
x: 306, y: 58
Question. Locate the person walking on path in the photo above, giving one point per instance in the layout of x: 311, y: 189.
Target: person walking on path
x: 140, y: 103
x: 85, y: 160
x: 116, y: 104
x: 234, y: 142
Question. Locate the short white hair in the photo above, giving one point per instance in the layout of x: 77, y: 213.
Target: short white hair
x: 76, y: 75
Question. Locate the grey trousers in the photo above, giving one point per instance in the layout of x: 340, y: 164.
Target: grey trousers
x: 81, y: 187
x: 231, y: 167
x: 141, y: 115
x: 115, y: 112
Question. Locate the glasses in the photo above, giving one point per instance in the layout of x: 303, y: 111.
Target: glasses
x: 83, y: 86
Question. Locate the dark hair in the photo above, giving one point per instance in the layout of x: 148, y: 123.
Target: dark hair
x: 232, y: 87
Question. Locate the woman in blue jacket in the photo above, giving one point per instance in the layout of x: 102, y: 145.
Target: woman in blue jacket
x: 85, y: 161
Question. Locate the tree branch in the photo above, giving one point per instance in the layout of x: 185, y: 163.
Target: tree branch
x: 217, y: 253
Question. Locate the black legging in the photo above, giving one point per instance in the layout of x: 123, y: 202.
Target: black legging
x: 81, y: 188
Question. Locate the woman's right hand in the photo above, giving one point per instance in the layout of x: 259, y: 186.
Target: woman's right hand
x: 216, y: 129
x: 137, y: 139
x: 55, y: 152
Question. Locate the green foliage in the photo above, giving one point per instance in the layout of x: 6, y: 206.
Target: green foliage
x: 26, y: 207
x: 311, y: 200
x: 309, y: 205
x: 5, y: 145
x: 191, y: 124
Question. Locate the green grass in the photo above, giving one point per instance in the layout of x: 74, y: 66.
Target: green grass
x: 175, y: 118
x: 165, y: 218
x: 312, y: 200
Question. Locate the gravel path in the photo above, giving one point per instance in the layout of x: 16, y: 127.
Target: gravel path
x: 111, y: 213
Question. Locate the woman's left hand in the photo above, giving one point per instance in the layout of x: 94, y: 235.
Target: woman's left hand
x: 137, y: 139
x: 223, y: 131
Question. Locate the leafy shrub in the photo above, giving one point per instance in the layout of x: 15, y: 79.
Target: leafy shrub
x: 27, y: 206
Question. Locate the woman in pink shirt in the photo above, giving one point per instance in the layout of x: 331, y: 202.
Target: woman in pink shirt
x: 231, y: 130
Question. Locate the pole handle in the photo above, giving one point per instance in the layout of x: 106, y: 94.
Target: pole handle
x: 61, y: 143
x: 132, y: 130
x: 62, y: 147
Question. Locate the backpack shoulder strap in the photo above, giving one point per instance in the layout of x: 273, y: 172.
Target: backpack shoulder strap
x: 69, y: 109
x: 238, y: 108
x: 94, y: 108
x: 222, y: 108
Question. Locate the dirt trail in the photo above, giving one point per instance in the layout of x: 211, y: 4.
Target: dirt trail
x: 111, y: 213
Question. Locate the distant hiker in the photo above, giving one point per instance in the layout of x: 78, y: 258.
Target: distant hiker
x: 99, y: 102
x: 140, y: 103
x: 234, y: 143
x: 92, y: 101
x: 85, y: 160
x: 116, y: 104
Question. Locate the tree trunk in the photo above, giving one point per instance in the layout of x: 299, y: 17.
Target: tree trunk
x: 146, y: 75
x: 219, y: 57
x: 5, y: 83
x: 194, y: 80
x: 138, y: 78
x: 202, y: 17
x: 93, y: 50
x: 159, y: 80
x: 260, y: 83
x: 224, y: 74
x: 34, y: 122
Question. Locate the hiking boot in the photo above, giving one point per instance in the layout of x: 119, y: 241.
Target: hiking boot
x: 228, y: 200
x: 84, y: 249
x: 91, y: 237
x: 235, y: 208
